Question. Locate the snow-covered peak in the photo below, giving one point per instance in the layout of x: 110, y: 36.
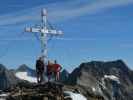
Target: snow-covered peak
x: 25, y: 76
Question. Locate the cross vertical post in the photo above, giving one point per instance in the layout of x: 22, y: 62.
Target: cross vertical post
x: 43, y: 37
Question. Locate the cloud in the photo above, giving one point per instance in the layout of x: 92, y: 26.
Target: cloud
x: 17, y: 39
x: 76, y: 39
x: 127, y: 45
x: 3, y: 40
x: 62, y: 11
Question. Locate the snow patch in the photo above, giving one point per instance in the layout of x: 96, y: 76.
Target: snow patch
x: 75, y: 96
x: 4, y: 95
x: 25, y: 76
x: 112, y: 77
x: 93, y: 89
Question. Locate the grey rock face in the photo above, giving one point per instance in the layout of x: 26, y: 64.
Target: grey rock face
x: 7, y: 78
x: 90, y: 75
x: 64, y: 76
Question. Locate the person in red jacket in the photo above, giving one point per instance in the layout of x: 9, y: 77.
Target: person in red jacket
x: 57, y: 69
x: 49, y: 70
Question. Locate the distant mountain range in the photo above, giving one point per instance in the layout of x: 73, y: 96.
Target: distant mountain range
x: 94, y: 79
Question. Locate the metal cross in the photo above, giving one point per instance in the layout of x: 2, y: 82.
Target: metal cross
x: 44, y: 32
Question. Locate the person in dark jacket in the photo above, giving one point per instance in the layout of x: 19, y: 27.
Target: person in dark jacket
x: 40, y: 69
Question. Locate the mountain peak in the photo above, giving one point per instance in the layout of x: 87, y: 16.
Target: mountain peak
x: 119, y: 64
x: 64, y: 75
x: 91, y: 75
x: 65, y: 71
x: 23, y: 67
x: 100, y: 68
x: 2, y: 67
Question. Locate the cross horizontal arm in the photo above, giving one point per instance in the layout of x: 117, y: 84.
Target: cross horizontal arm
x: 34, y: 30
x: 45, y: 31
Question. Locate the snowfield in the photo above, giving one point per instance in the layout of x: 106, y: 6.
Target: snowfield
x: 25, y: 76
x: 75, y: 96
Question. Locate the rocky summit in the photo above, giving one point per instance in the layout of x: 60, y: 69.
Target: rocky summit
x: 97, y: 80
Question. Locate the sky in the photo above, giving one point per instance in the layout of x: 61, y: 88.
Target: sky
x: 98, y: 30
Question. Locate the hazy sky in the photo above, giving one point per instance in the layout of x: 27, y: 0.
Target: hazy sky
x: 93, y: 30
